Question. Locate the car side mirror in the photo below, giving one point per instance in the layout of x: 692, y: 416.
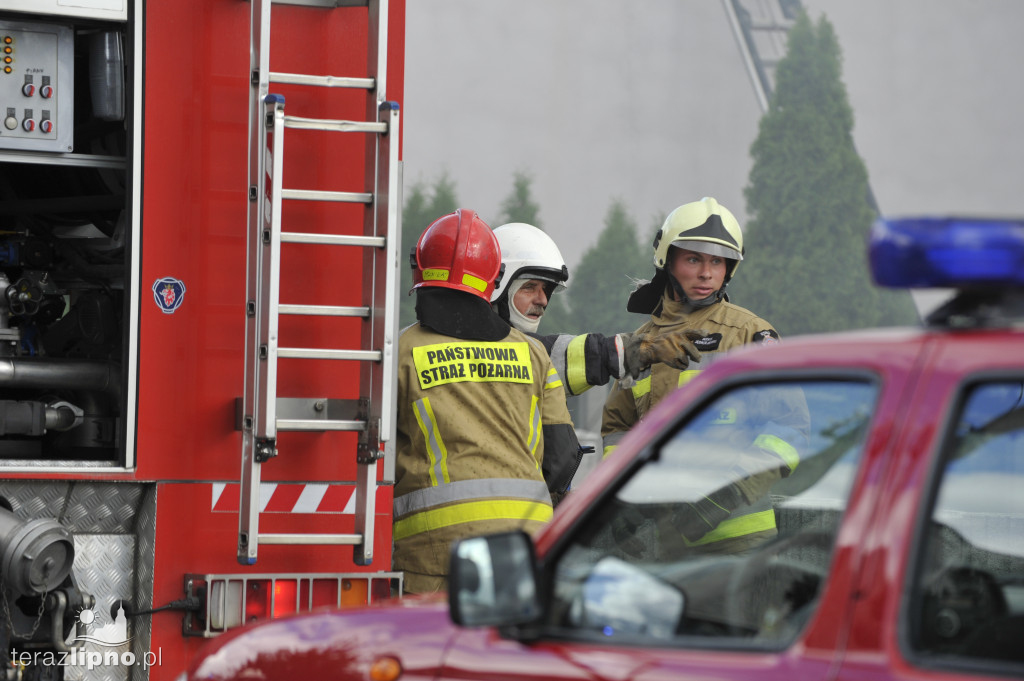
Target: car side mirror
x: 492, y: 581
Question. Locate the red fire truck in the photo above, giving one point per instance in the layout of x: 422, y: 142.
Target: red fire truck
x: 894, y: 550
x: 199, y: 225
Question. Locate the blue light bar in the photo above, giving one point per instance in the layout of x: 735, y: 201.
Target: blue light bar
x: 947, y: 253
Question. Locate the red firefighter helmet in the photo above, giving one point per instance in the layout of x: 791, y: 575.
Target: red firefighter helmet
x: 458, y: 251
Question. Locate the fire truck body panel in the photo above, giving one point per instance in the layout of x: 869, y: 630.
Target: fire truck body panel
x: 149, y: 480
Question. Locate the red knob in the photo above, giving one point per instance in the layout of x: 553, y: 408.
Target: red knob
x: 46, y: 126
x: 28, y: 124
x: 28, y: 89
x: 46, y: 91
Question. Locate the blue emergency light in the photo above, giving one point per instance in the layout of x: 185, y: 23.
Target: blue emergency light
x: 947, y: 253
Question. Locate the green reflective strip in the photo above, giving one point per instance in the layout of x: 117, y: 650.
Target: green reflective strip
x: 535, y: 429
x: 474, y: 282
x: 553, y: 380
x: 687, y: 376
x: 738, y: 527
x: 783, y: 449
x: 436, y: 450
x: 641, y: 388
x: 611, y: 441
x: 474, y: 511
x: 576, y: 365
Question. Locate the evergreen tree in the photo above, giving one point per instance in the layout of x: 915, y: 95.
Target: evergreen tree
x: 600, y: 285
x: 421, y: 208
x: 808, y: 197
x: 519, y: 206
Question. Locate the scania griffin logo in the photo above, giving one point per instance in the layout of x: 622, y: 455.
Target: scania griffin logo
x: 169, y: 294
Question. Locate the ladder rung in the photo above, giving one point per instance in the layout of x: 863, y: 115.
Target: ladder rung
x: 325, y: 4
x: 333, y: 239
x: 324, y: 310
x: 312, y: 539
x: 323, y: 353
x: 315, y: 195
x: 323, y: 81
x: 317, y: 425
x: 333, y: 125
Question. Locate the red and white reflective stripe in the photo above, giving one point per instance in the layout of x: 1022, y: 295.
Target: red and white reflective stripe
x: 291, y: 498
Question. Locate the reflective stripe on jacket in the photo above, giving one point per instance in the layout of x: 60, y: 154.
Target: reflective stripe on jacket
x: 584, y: 361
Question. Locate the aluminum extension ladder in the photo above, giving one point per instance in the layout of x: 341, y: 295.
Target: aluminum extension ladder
x: 264, y: 414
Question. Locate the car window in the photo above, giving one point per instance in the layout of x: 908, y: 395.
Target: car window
x: 726, y: 533
x: 968, y: 593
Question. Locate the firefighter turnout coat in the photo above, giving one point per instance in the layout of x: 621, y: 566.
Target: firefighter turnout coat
x: 729, y: 326
x: 470, y: 444
x: 774, y: 431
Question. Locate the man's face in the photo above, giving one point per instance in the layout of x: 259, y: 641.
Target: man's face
x: 699, y: 274
x: 532, y: 298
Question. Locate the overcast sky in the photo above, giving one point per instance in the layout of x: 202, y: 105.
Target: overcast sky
x: 649, y: 102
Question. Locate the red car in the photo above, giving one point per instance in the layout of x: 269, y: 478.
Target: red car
x: 898, y: 542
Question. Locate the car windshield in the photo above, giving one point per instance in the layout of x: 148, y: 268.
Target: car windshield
x: 754, y: 576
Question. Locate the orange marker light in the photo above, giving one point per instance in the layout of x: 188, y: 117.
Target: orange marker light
x: 385, y: 669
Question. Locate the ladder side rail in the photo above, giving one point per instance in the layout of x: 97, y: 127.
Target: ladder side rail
x: 377, y: 53
x: 389, y: 184
x: 374, y: 271
x: 381, y: 377
x: 270, y: 291
x: 259, y: 60
x: 261, y: 425
x: 389, y: 423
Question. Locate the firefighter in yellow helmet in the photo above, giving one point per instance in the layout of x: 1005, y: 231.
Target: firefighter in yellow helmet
x: 696, y: 252
x: 484, y: 437
x: 534, y: 271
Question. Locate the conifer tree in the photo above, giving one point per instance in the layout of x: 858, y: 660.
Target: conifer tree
x: 600, y: 285
x: 808, y: 197
x: 519, y: 206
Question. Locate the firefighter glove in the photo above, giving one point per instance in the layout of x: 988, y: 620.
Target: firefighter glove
x: 676, y: 349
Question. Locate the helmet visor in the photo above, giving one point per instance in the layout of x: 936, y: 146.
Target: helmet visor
x: 544, y: 274
x: 709, y: 248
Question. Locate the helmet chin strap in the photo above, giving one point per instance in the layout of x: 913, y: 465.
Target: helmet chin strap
x: 703, y: 302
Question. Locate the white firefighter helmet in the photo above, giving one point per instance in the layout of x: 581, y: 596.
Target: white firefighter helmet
x: 528, y: 253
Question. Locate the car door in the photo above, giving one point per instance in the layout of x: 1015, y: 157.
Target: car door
x: 943, y: 596
x: 636, y: 590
